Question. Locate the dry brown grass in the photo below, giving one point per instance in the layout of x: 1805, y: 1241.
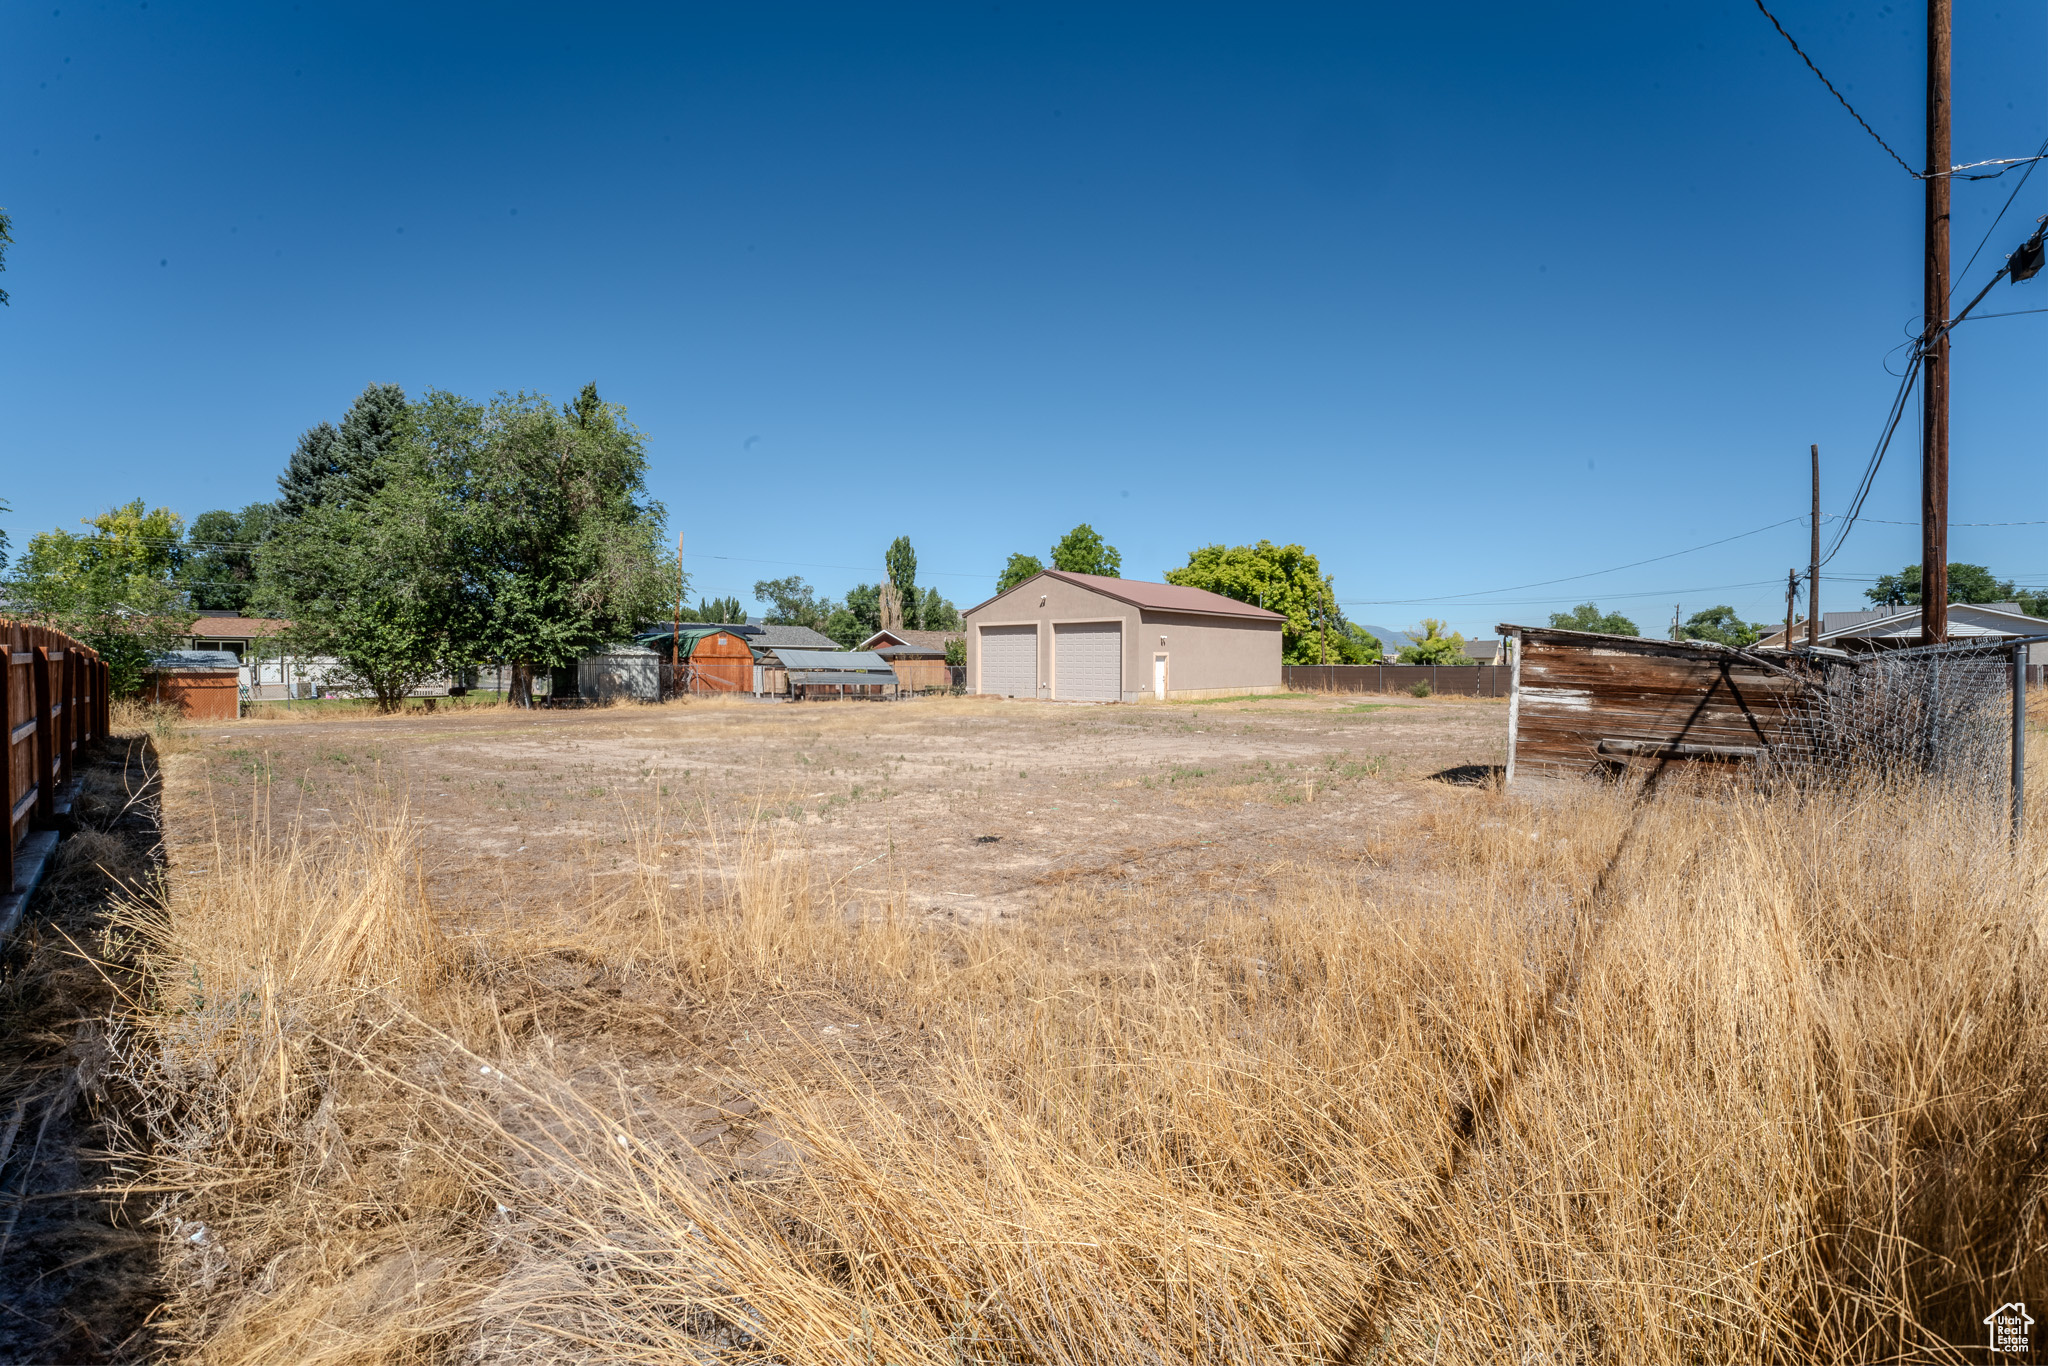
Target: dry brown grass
x: 1690, y: 1081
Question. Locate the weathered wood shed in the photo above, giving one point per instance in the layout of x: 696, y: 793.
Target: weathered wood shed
x: 1583, y: 703
x: 204, y: 685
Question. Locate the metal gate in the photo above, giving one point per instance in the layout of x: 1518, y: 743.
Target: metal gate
x: 1088, y: 661
x: 1009, y: 660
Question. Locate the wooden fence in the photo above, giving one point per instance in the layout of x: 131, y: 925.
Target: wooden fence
x: 1467, y: 680
x: 53, y: 700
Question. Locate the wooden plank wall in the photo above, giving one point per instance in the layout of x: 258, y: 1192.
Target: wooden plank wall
x: 53, y: 700
x: 1583, y: 703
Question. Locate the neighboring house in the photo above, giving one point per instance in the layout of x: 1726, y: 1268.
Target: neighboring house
x: 240, y: 636
x: 1086, y: 638
x: 1894, y: 628
x: 903, y: 636
x: 268, y: 671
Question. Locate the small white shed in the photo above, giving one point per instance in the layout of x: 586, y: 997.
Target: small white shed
x: 620, y: 673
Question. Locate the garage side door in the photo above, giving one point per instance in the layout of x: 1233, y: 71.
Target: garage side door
x: 1009, y: 660
x: 1088, y: 661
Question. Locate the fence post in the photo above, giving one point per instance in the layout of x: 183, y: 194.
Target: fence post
x: 46, y: 743
x: 67, y: 734
x: 7, y: 760
x: 2019, y: 739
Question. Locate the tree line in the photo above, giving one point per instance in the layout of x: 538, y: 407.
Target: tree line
x: 417, y: 538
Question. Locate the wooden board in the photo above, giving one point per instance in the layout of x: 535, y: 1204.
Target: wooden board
x: 1672, y: 703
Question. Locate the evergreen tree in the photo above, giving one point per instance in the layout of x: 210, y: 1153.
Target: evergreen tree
x: 341, y: 467
x: 313, y: 466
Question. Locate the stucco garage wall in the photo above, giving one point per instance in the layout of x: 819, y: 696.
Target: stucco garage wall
x: 1064, y: 602
x: 1209, y: 655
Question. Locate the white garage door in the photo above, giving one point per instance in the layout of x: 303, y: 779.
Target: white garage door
x: 1009, y: 660
x: 1088, y: 661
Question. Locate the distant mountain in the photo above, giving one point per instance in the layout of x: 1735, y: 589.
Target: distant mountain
x: 1390, y: 639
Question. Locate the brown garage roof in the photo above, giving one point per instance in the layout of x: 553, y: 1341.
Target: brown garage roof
x: 1151, y: 597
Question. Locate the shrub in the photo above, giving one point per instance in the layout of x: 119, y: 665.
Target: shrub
x: 1421, y: 689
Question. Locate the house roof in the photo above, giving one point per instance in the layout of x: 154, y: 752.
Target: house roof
x: 929, y: 640
x: 1965, y: 619
x: 195, y: 661
x: 790, y: 637
x: 1149, y: 597
x: 233, y: 626
x: 909, y: 652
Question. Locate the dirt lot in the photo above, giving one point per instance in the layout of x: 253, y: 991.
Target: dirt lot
x: 959, y: 808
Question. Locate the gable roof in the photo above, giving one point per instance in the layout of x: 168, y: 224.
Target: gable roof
x: 1149, y: 597
x: 790, y: 637
x: 903, y: 635
x: 1976, y: 619
x: 234, y: 626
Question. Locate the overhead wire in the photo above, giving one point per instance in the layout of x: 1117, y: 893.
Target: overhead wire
x: 1839, y: 96
x: 1452, y: 598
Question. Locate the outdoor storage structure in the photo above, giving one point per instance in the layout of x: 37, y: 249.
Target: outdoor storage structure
x: 1086, y: 638
x: 918, y: 669
x: 837, y: 674
x: 204, y: 685
x: 1583, y: 704
x: 53, y: 703
x: 713, y: 658
x: 620, y: 673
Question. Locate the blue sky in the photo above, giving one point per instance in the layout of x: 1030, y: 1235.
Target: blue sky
x: 1460, y: 297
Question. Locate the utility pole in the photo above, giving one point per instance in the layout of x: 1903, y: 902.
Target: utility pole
x: 1675, y: 609
x: 1934, y: 362
x: 675, y: 642
x: 1791, y: 598
x: 1813, y: 563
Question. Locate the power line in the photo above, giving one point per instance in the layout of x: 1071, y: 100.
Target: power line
x: 1877, y: 456
x: 1452, y: 598
x: 1836, y: 93
x: 2032, y: 162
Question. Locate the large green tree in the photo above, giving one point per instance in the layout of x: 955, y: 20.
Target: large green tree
x: 1587, y: 616
x: 1083, y: 551
x: 1427, y: 644
x: 116, y: 588
x: 1019, y: 568
x: 1289, y: 580
x: 341, y: 465
x: 379, y: 583
x: 1966, y: 583
x: 935, y: 613
x: 793, y: 603
x: 220, y: 557
x: 562, y: 541
x: 1722, y: 626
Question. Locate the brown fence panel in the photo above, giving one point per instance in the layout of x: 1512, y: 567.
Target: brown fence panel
x: 1466, y: 680
x: 52, y: 704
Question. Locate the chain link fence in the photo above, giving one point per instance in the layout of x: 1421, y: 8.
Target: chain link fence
x: 1953, y: 714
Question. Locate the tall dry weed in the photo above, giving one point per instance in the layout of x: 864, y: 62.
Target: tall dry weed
x: 1683, y: 1080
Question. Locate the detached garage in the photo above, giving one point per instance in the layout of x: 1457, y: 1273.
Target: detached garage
x: 1085, y: 638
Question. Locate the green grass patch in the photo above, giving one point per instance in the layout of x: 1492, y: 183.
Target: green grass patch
x: 1363, y: 707
x: 1245, y: 697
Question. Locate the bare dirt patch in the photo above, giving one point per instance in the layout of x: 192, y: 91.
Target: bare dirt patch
x: 960, y: 808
